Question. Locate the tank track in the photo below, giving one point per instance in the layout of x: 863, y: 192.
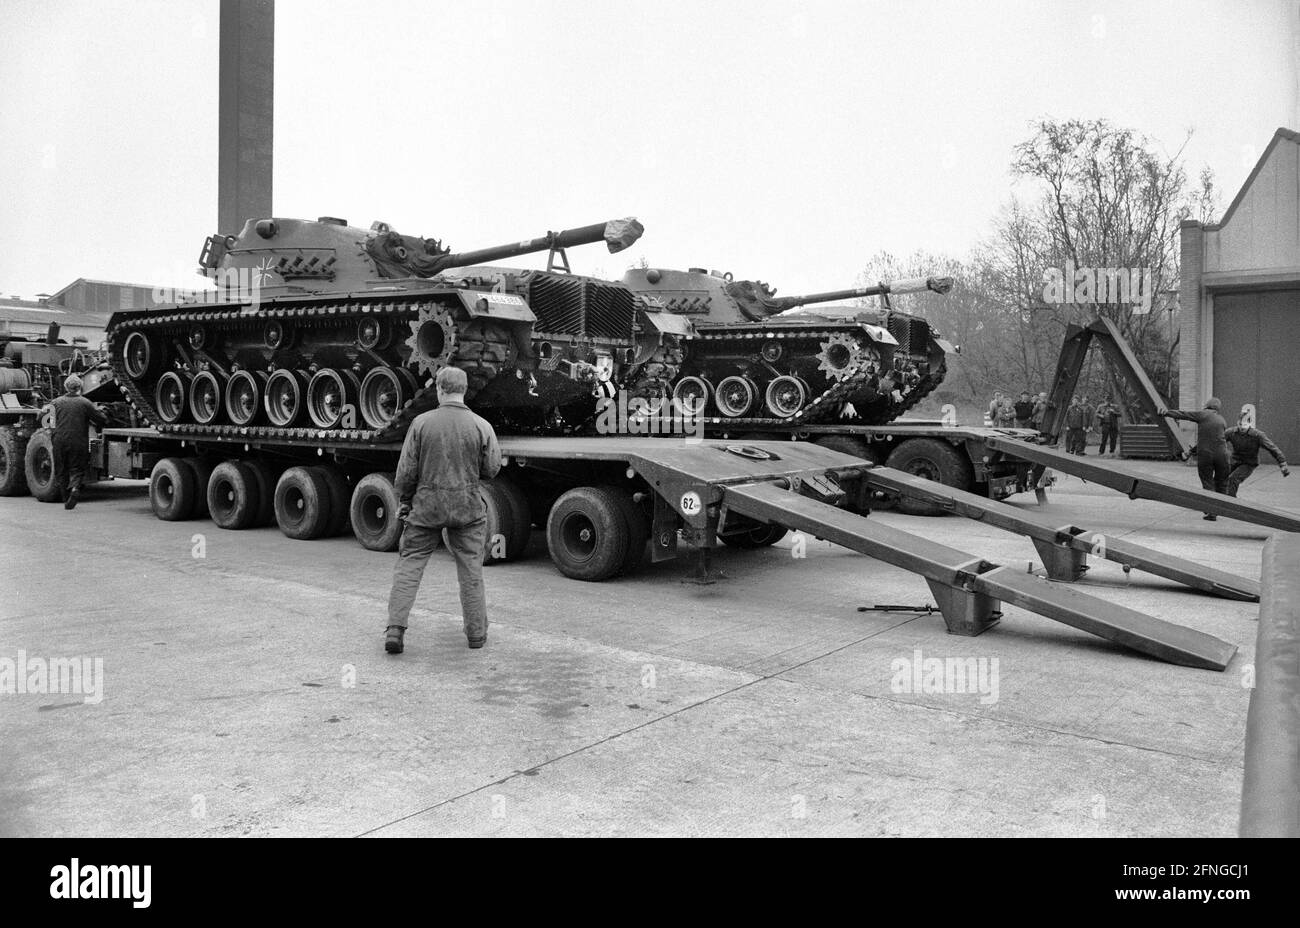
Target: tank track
x: 826, y: 405
x: 481, y: 350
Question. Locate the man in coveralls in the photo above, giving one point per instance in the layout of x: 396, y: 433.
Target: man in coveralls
x: 1245, y: 441
x: 73, y: 416
x: 1211, y: 446
x: 447, y: 452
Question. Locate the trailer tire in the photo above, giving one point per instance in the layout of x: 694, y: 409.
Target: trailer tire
x: 13, y: 463
x: 302, y: 503
x: 340, y: 495
x: 508, y: 519
x: 638, y: 530
x: 234, y: 496
x: 933, y: 459
x: 202, y: 471
x: 173, y: 490
x: 761, y: 537
x: 38, y: 467
x: 374, y: 512
x: 587, y: 534
x: 265, y: 475
x: 851, y: 444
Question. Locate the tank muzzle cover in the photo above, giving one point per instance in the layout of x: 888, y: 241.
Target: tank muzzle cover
x: 622, y: 233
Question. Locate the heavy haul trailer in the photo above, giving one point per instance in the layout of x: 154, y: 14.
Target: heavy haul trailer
x: 605, y: 501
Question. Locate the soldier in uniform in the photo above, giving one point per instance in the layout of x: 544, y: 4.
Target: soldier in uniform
x: 1024, y: 411
x: 1076, y: 425
x: 1040, y: 411
x: 1245, y: 442
x: 1108, y: 421
x: 73, y: 417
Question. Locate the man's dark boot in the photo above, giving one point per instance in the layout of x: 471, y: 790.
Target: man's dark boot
x: 1210, y: 517
x: 393, y: 643
x: 477, y: 643
x: 71, y: 501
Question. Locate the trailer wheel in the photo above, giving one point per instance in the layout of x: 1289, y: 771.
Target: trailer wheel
x: 173, y: 490
x: 265, y: 475
x: 932, y: 459
x: 38, y: 467
x: 508, y: 519
x: 340, y: 495
x: 202, y: 477
x: 760, y: 537
x: 13, y: 463
x: 638, y: 530
x: 233, y: 495
x: 302, y: 503
x: 374, y: 513
x: 587, y: 534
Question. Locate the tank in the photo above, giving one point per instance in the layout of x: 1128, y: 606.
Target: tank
x: 321, y: 329
x: 753, y: 357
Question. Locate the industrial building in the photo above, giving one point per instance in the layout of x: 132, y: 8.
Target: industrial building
x: 81, y: 310
x: 1240, y: 299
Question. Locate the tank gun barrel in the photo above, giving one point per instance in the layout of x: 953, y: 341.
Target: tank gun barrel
x: 617, y: 234
x: 756, y: 301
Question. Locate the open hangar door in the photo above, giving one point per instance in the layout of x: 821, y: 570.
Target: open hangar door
x: 1257, y: 360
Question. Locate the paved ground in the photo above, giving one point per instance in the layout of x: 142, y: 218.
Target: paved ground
x: 246, y: 693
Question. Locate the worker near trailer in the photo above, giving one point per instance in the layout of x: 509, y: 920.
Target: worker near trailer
x: 447, y: 453
x: 1040, y: 411
x: 1108, y: 422
x: 1245, y: 441
x: 73, y: 417
x: 1076, y: 426
x: 1024, y: 409
x: 1211, y: 445
x: 995, y: 408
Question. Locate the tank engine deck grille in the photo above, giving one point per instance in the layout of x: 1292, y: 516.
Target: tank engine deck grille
x: 580, y: 306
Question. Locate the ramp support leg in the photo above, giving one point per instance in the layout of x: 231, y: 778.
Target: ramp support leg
x: 965, y: 612
x: 1062, y: 563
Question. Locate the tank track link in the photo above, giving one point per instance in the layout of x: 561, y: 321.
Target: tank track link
x: 481, y: 350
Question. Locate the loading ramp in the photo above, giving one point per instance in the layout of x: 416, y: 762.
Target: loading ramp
x: 1137, y: 485
x: 1064, y: 549
x: 804, y: 486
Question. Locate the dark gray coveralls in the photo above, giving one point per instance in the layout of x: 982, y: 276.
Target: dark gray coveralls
x: 446, y: 453
x: 73, y: 416
x: 1245, y: 445
x: 1211, y: 447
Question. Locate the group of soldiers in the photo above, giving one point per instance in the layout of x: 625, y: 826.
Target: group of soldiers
x: 1080, y: 418
x: 1024, y: 413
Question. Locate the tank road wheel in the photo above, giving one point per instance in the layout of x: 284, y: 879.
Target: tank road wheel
x: 265, y: 476
x: 692, y: 393
x: 233, y: 495
x: 587, y: 534
x: 786, y: 395
x: 284, y: 396
x: 638, y: 530
x: 374, y: 513
x: 244, y: 396
x: 137, y: 356
x: 38, y: 467
x: 302, y: 503
x: 384, y: 392
x: 13, y: 463
x: 735, y: 396
x: 340, y: 495
x: 170, y: 396
x: 509, y: 523
x: 205, y: 397
x: 329, y: 396
x: 933, y: 459
x: 760, y: 537
x: 173, y: 490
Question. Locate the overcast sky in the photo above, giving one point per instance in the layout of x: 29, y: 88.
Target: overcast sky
x: 786, y: 141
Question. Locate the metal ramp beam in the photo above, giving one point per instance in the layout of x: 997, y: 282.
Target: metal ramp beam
x: 1064, y: 549
x: 1137, y: 485
x: 969, y: 590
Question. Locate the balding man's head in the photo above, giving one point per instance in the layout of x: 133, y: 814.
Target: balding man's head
x: 451, y: 383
